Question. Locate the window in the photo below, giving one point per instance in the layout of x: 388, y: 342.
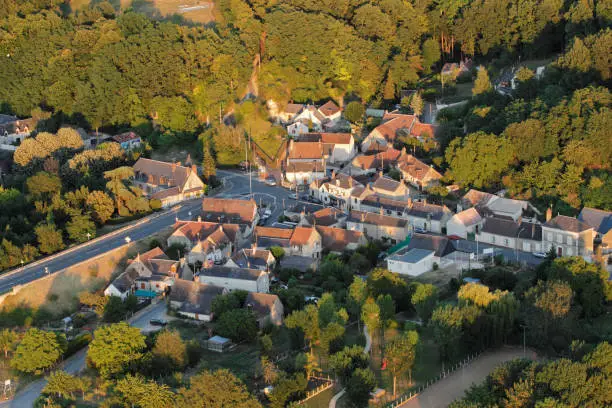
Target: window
x: 492, y: 239
x: 560, y: 238
x: 550, y: 236
x: 506, y: 242
x: 569, y: 240
x: 569, y: 251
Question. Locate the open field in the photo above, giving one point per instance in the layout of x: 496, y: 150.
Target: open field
x: 197, y: 11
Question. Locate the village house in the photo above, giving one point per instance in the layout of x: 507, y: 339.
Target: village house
x: 251, y: 280
x: 567, y: 236
x: 311, y: 117
x: 337, y: 147
x: 194, y: 299
x: 305, y: 162
x: 372, y: 163
x: 389, y: 188
x: 330, y: 111
x: 441, y: 246
x: 491, y: 204
x: 428, y: 217
x: 189, y: 233
x: 417, y: 173
x: 334, y: 191
x: 465, y: 223
x: 297, y: 128
x: 229, y: 210
x: 268, y: 308
x: 214, y: 249
x: 128, y: 140
x: 338, y: 240
x: 326, y: 217
x: 306, y: 242
x: 146, y: 275
x: 268, y: 237
x: 395, y: 125
x: 378, y: 227
x: 411, y: 261
x: 253, y: 258
x: 168, y: 182
x: 290, y: 111
x: 454, y: 70
x: 520, y: 236
x: 601, y: 221
x: 13, y: 130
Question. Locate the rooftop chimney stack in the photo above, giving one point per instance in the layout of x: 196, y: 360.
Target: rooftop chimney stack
x: 549, y: 213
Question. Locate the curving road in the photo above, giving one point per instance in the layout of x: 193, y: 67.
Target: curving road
x: 139, y: 230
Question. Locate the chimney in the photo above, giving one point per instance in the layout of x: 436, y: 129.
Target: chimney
x: 549, y: 213
x: 178, y: 163
x: 199, y: 218
x: 363, y: 217
x: 254, y: 246
x: 194, y: 169
x: 380, y: 173
x: 382, y: 211
x: 333, y: 174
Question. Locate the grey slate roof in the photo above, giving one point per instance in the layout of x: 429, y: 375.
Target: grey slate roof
x: 231, y: 273
x: 441, y: 246
x: 600, y: 220
x: 566, y: 223
x: 412, y: 255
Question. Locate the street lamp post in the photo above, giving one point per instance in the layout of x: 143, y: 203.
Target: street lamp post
x: 516, y: 244
x: 88, y: 236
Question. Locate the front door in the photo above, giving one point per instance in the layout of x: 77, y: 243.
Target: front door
x: 559, y: 252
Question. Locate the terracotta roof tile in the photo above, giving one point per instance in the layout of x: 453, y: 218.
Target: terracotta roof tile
x: 272, y: 232
x: 301, y: 235
x: 305, y: 150
x: 566, y: 223
x: 229, y: 210
x: 377, y: 219
x: 337, y: 239
x: 329, y: 108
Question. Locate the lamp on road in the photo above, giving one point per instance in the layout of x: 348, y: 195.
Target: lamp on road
x: 88, y: 236
x: 128, y: 240
x: 46, y: 270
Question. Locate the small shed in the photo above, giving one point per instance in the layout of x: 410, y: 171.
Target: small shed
x: 218, y: 344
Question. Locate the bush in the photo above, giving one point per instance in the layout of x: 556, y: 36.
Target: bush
x: 77, y: 344
x: 155, y: 204
x: 435, y: 266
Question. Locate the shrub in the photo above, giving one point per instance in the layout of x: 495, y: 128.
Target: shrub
x: 155, y: 204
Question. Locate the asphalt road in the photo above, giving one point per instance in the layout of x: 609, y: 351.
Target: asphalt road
x: 65, y: 259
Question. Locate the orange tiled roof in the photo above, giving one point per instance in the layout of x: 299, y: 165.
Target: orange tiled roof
x: 305, y: 150
x: 301, y: 235
x: 229, y: 210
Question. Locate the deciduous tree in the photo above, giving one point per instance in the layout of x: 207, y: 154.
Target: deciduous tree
x: 37, y: 351
x: 114, y: 347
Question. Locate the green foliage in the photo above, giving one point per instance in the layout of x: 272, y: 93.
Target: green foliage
x: 354, y: 111
x: 557, y: 383
x: 288, y: 389
x: 345, y: 362
x: 114, y: 310
x: 479, y: 159
x: 137, y: 391
x: 49, y: 238
x: 382, y: 282
x: 424, y: 300
x: 277, y: 252
x: 401, y: 353
x: 8, y: 341
x: 360, y: 385
x: 215, y: 389
x: 238, y: 325
x: 114, y: 347
x: 64, y: 385
x: 228, y: 302
x: 37, y: 351
x: 482, y: 84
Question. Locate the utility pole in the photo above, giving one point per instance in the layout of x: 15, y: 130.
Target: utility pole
x: 249, y: 163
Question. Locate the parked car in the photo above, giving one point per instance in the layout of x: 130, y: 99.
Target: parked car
x: 311, y: 299
x: 270, y: 181
x: 158, y: 322
x: 419, y: 230
x: 539, y: 255
x: 267, y: 213
x: 293, y: 196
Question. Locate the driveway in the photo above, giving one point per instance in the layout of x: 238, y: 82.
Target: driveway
x: 142, y: 319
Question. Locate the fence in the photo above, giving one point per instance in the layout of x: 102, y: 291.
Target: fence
x: 407, y: 396
x: 328, y: 383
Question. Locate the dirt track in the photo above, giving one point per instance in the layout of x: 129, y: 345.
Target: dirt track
x: 447, y: 390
